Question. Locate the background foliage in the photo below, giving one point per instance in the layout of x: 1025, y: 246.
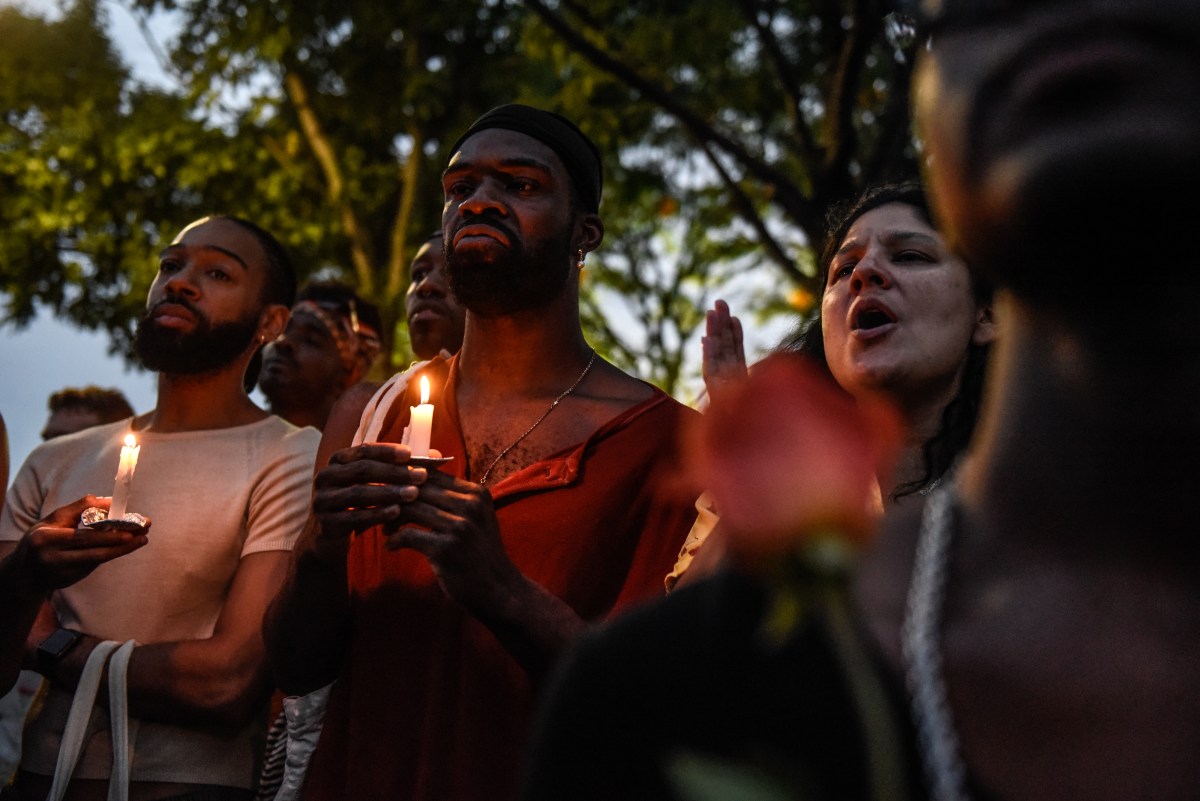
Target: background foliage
x: 729, y: 127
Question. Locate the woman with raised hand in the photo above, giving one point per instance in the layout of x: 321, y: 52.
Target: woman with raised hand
x: 900, y: 316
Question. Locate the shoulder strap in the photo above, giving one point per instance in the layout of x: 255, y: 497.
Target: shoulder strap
x: 78, y: 717
x: 371, y: 422
x: 118, y: 710
x: 81, y: 712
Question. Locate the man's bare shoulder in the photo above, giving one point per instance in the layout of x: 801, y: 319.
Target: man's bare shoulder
x: 615, y: 386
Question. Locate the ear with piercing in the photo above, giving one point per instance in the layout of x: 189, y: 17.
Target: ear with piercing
x: 579, y: 264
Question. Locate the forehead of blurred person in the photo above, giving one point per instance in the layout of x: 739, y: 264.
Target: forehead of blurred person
x: 1060, y: 137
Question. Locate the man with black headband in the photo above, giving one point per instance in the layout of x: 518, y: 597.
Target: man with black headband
x: 330, y: 343
x: 439, y: 595
x: 226, y: 487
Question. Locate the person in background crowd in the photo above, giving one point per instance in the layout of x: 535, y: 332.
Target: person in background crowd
x: 329, y: 345
x: 14, y: 705
x: 435, y: 319
x: 435, y: 327
x: 75, y: 408
x: 226, y: 487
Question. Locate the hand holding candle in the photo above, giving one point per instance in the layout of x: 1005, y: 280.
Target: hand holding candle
x: 420, y: 423
x: 120, y: 495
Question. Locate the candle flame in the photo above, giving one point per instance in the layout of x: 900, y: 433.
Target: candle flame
x: 130, y: 441
x: 424, y: 389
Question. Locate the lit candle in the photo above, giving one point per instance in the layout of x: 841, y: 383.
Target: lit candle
x: 120, y: 496
x: 420, y: 422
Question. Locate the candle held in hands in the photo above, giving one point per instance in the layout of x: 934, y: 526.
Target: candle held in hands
x: 420, y: 423
x: 120, y: 495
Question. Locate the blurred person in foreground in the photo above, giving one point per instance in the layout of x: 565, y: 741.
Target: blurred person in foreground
x: 438, y: 595
x: 76, y: 408
x: 225, y: 486
x: 330, y: 343
x: 1054, y: 630
x: 1033, y: 630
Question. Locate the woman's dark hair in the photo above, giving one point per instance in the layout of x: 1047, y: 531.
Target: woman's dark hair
x: 960, y: 415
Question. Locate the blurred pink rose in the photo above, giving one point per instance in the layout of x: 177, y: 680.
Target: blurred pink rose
x: 787, y: 456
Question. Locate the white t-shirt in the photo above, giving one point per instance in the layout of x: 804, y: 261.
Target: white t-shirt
x: 212, y: 497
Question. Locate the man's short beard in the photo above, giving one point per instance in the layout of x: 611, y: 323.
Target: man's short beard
x: 207, y: 349
x: 520, y: 280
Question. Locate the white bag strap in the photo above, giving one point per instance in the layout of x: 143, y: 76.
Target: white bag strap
x: 81, y: 712
x: 118, y: 711
x: 78, y: 717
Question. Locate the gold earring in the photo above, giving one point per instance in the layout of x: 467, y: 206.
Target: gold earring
x: 580, y: 262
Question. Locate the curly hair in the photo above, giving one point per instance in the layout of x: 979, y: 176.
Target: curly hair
x: 109, y: 405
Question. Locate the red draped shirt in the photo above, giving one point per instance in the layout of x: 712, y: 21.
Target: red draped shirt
x: 429, y: 706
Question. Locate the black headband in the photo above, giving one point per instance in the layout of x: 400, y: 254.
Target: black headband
x: 577, y: 153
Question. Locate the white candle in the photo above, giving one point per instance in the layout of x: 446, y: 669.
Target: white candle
x: 420, y: 422
x: 120, y: 496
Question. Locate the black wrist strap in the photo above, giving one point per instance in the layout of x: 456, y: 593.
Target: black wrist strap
x: 51, y: 650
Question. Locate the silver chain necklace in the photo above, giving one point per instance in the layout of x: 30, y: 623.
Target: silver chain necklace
x: 937, y: 738
x: 538, y: 422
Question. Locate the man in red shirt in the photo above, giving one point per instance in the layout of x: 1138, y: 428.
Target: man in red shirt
x: 438, y: 596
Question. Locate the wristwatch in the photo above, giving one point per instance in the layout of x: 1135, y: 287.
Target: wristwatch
x: 54, y: 648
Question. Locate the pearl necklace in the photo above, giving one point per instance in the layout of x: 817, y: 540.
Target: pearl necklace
x: 538, y: 422
x: 920, y: 643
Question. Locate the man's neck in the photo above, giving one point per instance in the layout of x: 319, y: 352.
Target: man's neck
x: 202, y: 402
x: 306, y: 414
x: 521, y: 354
x: 1078, y: 441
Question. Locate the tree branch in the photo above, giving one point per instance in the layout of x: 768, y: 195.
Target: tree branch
x: 785, y: 73
x: 322, y: 148
x: 786, y: 193
x: 745, y: 208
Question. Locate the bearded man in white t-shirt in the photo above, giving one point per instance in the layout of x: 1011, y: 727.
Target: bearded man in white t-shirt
x: 224, y: 487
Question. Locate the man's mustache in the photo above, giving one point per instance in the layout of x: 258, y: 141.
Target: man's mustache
x: 178, y: 300
x: 489, y: 219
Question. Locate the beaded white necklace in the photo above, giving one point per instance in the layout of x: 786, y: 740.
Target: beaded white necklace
x: 920, y: 644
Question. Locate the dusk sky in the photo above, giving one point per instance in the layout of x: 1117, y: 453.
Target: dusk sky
x: 50, y: 355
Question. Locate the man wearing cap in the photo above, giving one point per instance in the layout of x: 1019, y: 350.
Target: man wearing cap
x: 438, y: 596
x: 329, y: 344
